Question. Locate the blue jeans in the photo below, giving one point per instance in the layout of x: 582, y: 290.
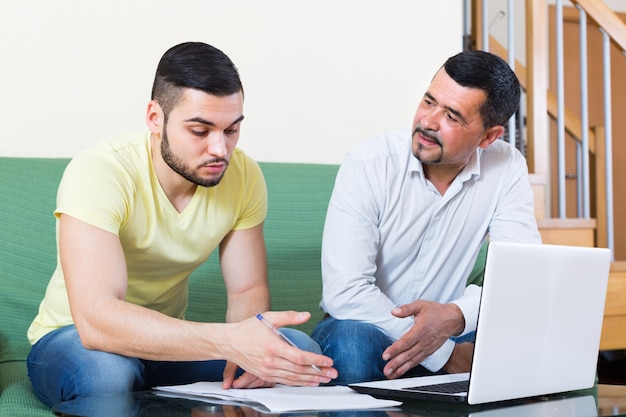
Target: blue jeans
x: 357, y: 348
x: 61, y: 369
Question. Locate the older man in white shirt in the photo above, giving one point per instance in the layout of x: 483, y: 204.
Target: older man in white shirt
x: 407, y: 217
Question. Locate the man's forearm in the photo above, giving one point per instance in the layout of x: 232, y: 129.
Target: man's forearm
x: 245, y: 305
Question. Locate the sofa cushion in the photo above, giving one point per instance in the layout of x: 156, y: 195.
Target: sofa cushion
x: 27, y: 244
x: 18, y: 398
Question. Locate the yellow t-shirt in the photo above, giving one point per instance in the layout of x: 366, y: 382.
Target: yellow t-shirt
x: 113, y: 186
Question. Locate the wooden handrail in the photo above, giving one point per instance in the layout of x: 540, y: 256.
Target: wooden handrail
x: 606, y: 19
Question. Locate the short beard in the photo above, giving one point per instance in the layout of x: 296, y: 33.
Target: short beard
x: 182, y: 169
x: 420, y: 147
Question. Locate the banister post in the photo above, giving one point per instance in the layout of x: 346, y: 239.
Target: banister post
x: 538, y: 150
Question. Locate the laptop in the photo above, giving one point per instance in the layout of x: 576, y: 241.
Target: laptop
x: 538, y: 331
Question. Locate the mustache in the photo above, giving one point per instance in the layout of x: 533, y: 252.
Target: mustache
x: 427, y: 134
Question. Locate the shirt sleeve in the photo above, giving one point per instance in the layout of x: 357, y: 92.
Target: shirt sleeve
x: 469, y: 307
x: 95, y: 190
x: 254, y: 204
x: 514, y: 218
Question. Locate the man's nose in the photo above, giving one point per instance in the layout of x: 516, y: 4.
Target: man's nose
x: 431, y: 120
x: 216, y: 145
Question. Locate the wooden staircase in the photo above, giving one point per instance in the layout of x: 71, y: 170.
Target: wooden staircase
x: 581, y: 232
x: 541, y: 110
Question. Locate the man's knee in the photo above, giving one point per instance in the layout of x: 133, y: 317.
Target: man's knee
x: 355, y: 347
x: 108, y: 373
x: 302, y: 340
x: 350, y: 335
x: 61, y: 369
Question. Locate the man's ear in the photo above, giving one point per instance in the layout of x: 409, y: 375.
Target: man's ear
x: 154, y: 117
x: 490, y: 136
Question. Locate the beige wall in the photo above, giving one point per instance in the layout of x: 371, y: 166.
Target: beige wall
x: 319, y: 75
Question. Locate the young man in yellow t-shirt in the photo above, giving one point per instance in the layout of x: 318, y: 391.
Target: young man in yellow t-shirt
x: 135, y: 216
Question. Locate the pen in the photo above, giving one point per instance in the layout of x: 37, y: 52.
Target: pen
x: 282, y: 336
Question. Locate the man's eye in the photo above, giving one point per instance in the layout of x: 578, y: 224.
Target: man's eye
x: 230, y: 131
x: 428, y: 103
x: 198, y: 132
x: 452, y: 118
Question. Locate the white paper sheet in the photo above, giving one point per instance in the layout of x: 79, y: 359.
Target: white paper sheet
x: 283, y: 398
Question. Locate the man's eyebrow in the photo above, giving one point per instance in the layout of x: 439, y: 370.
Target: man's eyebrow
x: 210, y: 123
x: 448, y: 108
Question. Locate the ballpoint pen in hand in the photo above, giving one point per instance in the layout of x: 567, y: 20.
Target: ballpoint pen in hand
x: 282, y: 336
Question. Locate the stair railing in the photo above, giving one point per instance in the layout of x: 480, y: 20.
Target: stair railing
x: 540, y: 108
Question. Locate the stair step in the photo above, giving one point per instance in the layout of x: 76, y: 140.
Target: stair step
x: 574, y: 232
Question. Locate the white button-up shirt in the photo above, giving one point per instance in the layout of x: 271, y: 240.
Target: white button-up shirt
x: 391, y: 238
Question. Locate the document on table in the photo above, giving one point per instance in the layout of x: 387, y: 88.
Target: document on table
x: 283, y: 398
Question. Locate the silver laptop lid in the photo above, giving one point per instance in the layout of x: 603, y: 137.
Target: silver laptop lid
x: 540, y: 320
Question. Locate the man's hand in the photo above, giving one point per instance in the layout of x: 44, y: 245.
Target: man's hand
x: 268, y: 359
x: 246, y: 380
x: 434, y: 323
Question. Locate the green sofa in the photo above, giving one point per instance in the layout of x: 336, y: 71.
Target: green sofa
x: 298, y: 198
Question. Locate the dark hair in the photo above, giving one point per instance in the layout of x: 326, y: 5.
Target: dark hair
x: 490, y: 73
x: 194, y: 65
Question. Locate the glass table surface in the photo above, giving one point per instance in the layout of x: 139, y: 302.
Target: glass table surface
x: 158, y: 404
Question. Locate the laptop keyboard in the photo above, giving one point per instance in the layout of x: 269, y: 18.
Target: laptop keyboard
x: 444, y: 388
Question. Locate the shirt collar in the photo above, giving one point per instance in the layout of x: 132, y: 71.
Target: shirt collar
x: 472, y: 169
